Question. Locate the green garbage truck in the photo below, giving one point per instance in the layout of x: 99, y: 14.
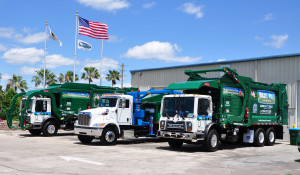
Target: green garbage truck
x: 228, y: 108
x: 47, y: 110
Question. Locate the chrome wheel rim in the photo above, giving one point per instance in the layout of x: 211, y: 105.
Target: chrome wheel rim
x: 214, y: 140
x: 51, y: 129
x: 261, y: 137
x: 271, y: 136
x: 110, y: 136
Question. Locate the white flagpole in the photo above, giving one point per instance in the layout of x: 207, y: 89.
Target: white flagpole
x: 74, y: 72
x: 101, y: 60
x: 44, y: 78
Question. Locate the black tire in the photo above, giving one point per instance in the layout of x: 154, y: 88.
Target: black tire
x: 50, y: 128
x: 211, y: 143
x: 35, y: 132
x: 270, y: 137
x: 85, y: 139
x: 174, y: 144
x: 259, y: 137
x: 109, y: 136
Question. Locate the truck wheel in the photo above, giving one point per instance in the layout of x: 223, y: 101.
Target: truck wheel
x: 109, y: 136
x: 211, y: 143
x: 259, y: 137
x: 35, y: 132
x: 175, y: 143
x: 270, y: 137
x: 85, y: 139
x: 50, y: 129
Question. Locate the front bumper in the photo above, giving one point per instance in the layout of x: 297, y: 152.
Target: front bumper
x: 90, y: 131
x: 181, y: 135
x: 34, y: 126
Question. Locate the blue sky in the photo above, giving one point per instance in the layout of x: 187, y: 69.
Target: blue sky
x: 144, y: 33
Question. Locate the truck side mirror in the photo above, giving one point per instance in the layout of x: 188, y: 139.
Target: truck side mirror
x: 123, y: 104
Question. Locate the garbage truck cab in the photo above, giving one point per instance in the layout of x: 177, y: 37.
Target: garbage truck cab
x: 185, y: 116
x: 38, y: 111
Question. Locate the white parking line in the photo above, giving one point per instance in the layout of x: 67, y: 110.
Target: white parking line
x: 80, y: 160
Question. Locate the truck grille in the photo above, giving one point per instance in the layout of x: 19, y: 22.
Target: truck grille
x: 84, y: 119
x: 178, y: 126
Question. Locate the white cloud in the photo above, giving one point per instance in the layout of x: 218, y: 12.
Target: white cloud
x: 278, y: 41
x: 2, y: 48
x: 268, y: 17
x: 30, y: 55
x: 219, y: 60
x: 5, y: 77
x: 258, y: 38
x: 29, y: 70
x: 160, y: 50
x: 107, y: 64
x: 149, y: 5
x: 7, y: 32
x: 10, y: 33
x: 32, y: 38
x: 105, y: 5
x: 114, y: 39
x: 192, y: 9
x: 55, y: 60
x: 26, y: 30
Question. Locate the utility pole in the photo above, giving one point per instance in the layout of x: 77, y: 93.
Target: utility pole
x: 122, y: 75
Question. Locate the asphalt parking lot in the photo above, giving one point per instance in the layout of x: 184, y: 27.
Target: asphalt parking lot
x: 21, y: 153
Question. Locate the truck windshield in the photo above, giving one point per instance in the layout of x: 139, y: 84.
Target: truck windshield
x: 23, y: 104
x: 183, y: 106
x: 108, y: 102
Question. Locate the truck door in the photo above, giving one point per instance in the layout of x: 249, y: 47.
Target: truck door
x: 124, y: 111
x: 42, y: 110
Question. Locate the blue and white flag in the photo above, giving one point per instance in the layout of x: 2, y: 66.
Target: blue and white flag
x: 84, y: 45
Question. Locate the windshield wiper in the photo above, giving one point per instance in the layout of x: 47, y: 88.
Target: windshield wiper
x: 167, y: 113
x: 180, y: 115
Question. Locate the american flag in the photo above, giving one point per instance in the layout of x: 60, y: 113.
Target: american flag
x: 96, y: 30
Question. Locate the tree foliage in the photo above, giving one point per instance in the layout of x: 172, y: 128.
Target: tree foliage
x: 49, y: 76
x: 69, y: 76
x: 7, y: 99
x: 113, y: 76
x: 90, y: 74
x: 17, y: 82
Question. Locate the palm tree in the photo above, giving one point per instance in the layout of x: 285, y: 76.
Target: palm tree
x: 69, y: 76
x: 113, y: 76
x: 17, y: 83
x: 61, y: 78
x: 89, y: 74
x: 38, y: 79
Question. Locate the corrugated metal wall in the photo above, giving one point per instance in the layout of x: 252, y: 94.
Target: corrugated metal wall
x: 278, y: 70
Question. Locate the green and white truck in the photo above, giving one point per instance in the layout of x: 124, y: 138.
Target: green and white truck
x: 230, y: 108
x: 47, y: 110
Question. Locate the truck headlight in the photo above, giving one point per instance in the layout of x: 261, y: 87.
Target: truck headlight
x: 162, y: 124
x: 98, y: 124
x: 189, y: 126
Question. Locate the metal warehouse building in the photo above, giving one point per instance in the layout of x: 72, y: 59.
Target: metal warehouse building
x: 271, y: 69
